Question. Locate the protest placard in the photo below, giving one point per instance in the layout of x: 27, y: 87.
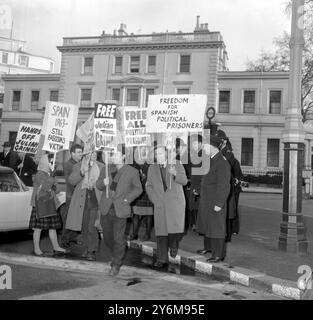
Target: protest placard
x: 59, y: 125
x: 86, y: 133
x: 27, y: 139
x: 105, y: 126
x: 135, y: 127
x: 176, y: 113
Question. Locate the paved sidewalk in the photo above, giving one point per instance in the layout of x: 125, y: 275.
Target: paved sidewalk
x: 256, y: 247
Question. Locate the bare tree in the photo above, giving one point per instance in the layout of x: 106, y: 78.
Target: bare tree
x: 279, y: 60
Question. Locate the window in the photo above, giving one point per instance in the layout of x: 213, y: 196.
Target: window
x: 35, y: 100
x: 8, y: 183
x: 4, y: 57
x: 273, y: 152
x: 134, y: 64
x: 247, y: 152
x: 249, y: 101
x: 85, y: 98
x: 118, y: 65
x: 116, y: 94
x: 183, y: 91
x: 54, y: 95
x: 132, y: 98
x: 224, y: 101
x: 184, y: 63
x: 151, y: 64
x: 275, y: 102
x: 1, y: 97
x: 88, y: 65
x: 51, y: 66
x: 23, y: 61
x: 16, y: 100
x: 149, y: 92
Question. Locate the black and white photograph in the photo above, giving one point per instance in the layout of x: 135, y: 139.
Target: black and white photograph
x: 156, y: 155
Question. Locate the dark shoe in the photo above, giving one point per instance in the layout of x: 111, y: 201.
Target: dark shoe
x: 160, y: 265
x: 146, y: 237
x: 173, y: 252
x: 132, y: 237
x: 57, y: 253
x: 215, y: 259
x: 114, y: 271
x: 84, y: 254
x: 203, y: 251
x: 91, y: 256
x: 76, y: 242
x: 43, y: 254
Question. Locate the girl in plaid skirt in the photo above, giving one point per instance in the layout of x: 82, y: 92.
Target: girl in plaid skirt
x: 44, y: 182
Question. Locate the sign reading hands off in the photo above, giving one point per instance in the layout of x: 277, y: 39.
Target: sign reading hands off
x: 176, y: 113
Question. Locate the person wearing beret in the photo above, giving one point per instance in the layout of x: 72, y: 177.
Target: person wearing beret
x: 236, y: 176
x: 215, y: 188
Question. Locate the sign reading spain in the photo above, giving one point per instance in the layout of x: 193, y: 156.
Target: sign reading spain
x: 105, y: 127
x: 176, y: 113
x: 135, y: 127
x: 27, y: 139
x: 59, y: 125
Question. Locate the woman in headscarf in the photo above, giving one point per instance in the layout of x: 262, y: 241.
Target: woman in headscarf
x: 83, y: 210
x: 44, y: 214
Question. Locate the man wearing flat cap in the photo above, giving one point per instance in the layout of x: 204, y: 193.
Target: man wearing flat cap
x: 214, y: 192
x: 9, y: 158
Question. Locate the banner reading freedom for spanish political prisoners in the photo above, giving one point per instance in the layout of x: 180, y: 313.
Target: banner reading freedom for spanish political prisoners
x: 27, y: 139
x: 59, y: 125
x: 176, y: 113
x: 135, y: 127
x: 105, y: 126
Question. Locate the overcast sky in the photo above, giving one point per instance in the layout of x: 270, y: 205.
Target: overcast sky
x: 247, y: 26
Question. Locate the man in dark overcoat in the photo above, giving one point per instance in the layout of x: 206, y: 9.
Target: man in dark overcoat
x: 27, y: 169
x: 9, y: 158
x: 232, y: 222
x: 215, y: 188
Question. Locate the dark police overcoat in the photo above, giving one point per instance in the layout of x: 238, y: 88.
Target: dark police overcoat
x: 215, y: 188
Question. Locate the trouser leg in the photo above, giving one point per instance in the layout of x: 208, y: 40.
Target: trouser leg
x: 89, y: 231
x: 67, y: 235
x: 108, y: 235
x: 218, y: 248
x: 119, y: 248
x: 136, y: 225
x: 162, y: 249
x: 149, y: 226
x: 207, y: 245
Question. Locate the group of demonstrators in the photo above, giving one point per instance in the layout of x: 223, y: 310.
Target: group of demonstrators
x: 193, y: 184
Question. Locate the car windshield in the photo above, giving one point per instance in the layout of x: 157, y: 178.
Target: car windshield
x: 8, y: 183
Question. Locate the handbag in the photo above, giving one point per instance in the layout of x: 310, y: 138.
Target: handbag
x: 45, y: 204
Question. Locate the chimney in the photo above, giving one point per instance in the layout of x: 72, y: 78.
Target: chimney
x: 197, y: 24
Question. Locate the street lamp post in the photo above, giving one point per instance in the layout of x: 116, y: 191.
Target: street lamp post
x: 292, y: 230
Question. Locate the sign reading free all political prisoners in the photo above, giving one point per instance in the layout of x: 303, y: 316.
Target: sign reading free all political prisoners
x: 59, y: 125
x: 27, y: 139
x: 176, y: 113
x: 135, y: 127
x: 105, y: 126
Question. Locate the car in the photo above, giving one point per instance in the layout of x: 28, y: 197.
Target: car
x: 15, y: 201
